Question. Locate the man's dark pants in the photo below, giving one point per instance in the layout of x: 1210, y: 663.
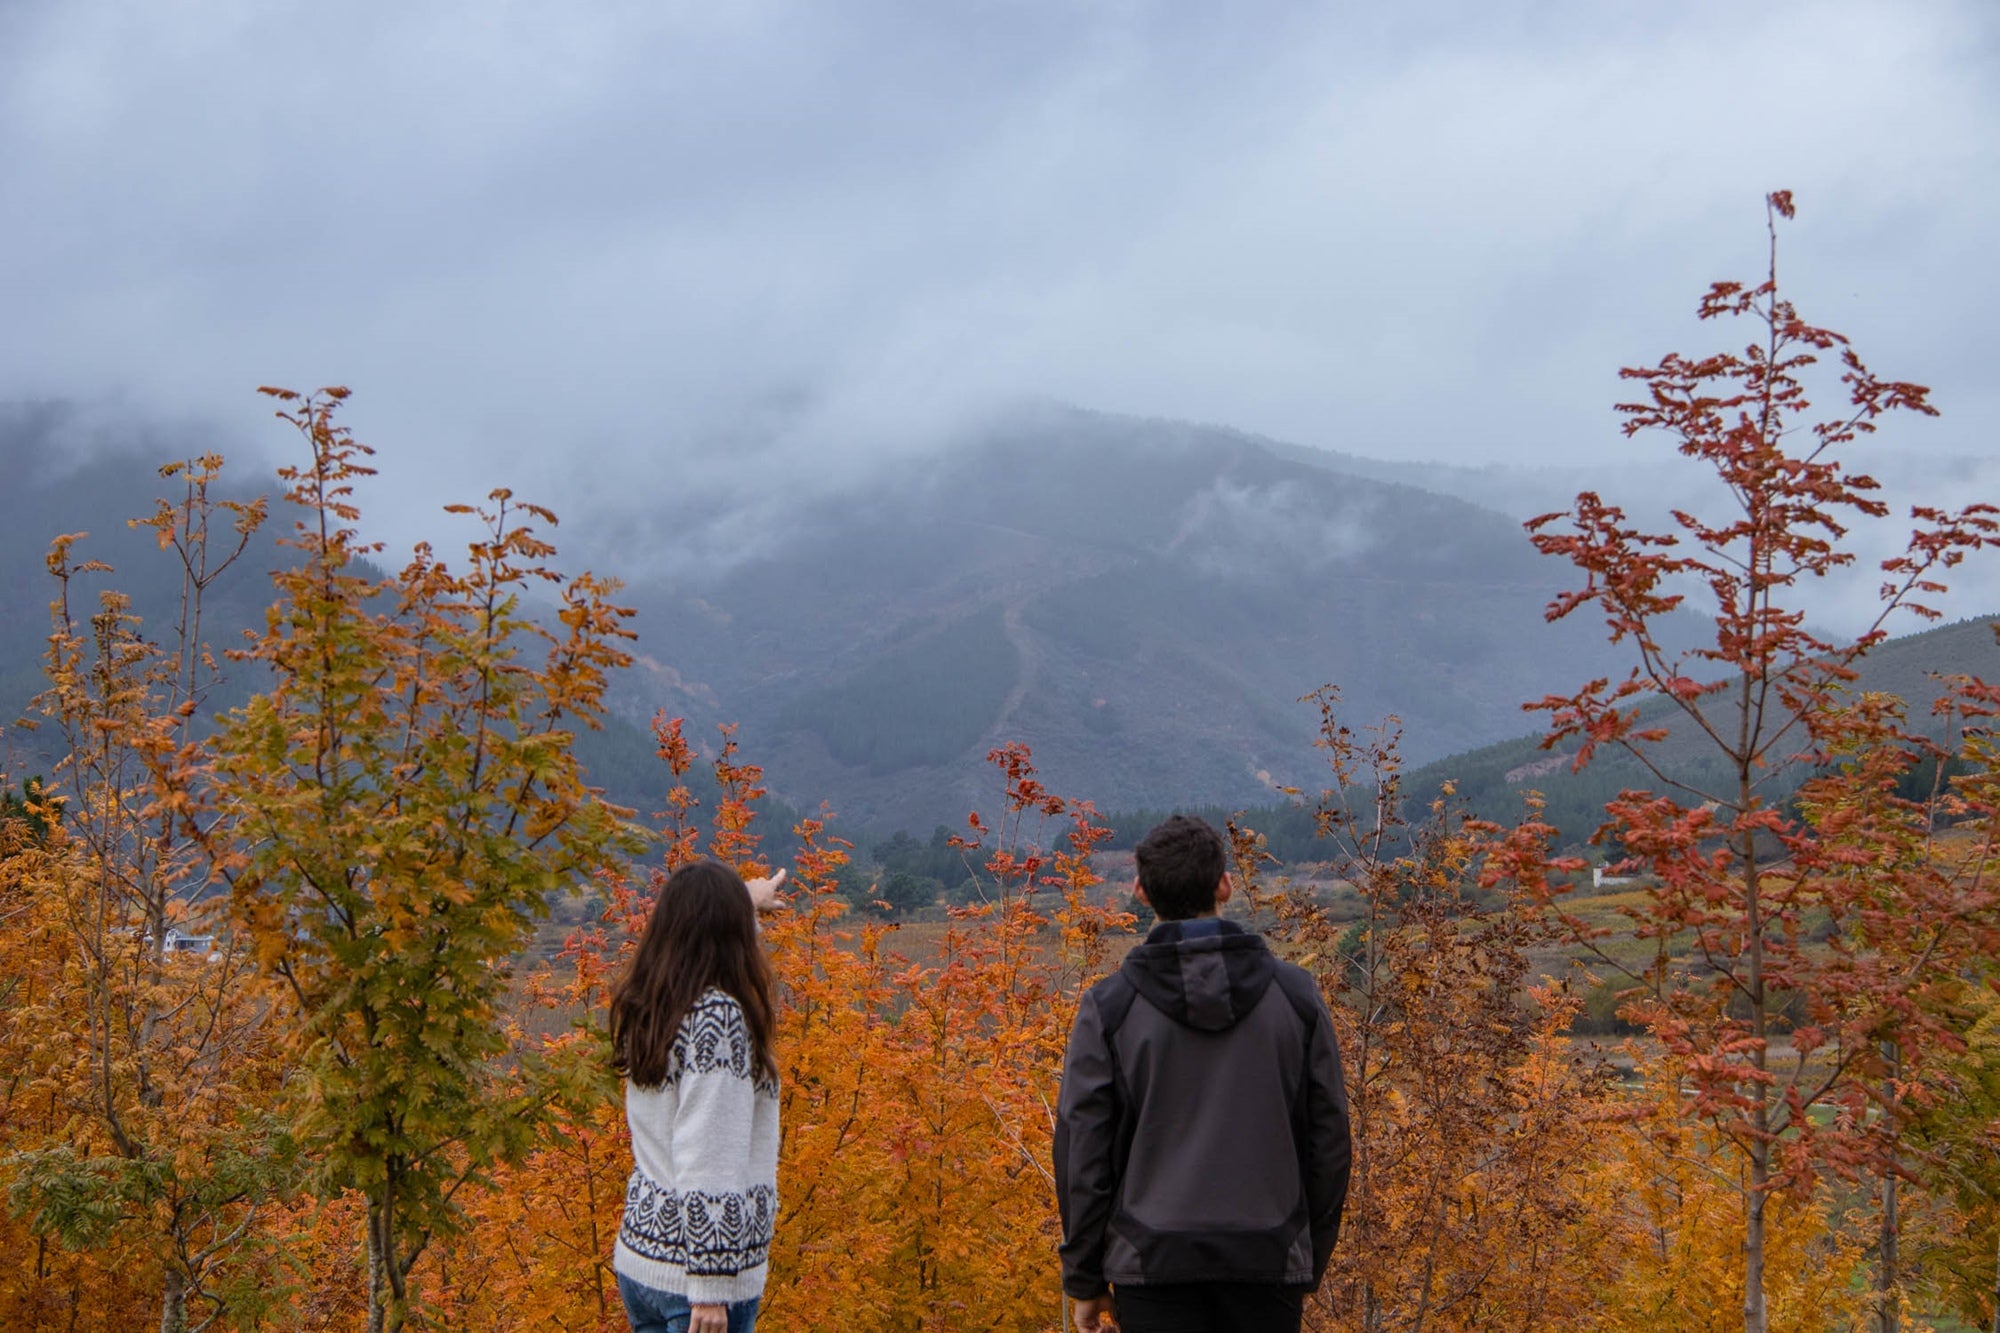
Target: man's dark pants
x: 1208, y: 1307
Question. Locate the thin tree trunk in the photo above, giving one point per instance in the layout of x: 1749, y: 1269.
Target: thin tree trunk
x: 1888, y: 1278
x: 1430, y: 1262
x: 173, y: 1302
x: 1888, y: 1258
x: 1754, y: 1318
x: 378, y: 1275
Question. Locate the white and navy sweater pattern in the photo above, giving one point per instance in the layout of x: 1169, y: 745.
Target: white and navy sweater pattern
x: 703, y: 1197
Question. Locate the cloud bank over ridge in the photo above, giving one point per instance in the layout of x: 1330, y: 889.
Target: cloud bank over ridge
x: 739, y: 252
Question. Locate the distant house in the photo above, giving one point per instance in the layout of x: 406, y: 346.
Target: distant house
x: 180, y: 942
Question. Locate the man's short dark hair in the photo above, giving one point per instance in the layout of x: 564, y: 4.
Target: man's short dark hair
x: 1181, y: 864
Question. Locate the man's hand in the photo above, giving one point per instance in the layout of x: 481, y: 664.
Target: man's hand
x: 1090, y: 1314
x: 709, y: 1319
x: 764, y: 895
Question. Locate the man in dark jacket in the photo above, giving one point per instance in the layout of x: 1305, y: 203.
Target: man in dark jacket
x: 1201, y: 1140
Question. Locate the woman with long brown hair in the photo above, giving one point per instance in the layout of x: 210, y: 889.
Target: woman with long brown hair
x: 691, y: 1032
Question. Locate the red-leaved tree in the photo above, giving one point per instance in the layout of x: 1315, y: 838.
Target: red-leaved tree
x: 1790, y: 945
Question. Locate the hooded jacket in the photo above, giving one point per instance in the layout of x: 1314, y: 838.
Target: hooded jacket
x: 1202, y: 1133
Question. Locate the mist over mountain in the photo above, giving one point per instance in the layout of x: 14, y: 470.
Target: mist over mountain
x: 1142, y: 602
x: 1647, y: 479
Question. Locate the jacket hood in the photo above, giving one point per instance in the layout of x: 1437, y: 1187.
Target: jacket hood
x: 1208, y: 981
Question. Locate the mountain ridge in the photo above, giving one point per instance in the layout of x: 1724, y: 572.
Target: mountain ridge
x: 1168, y: 593
x: 1143, y: 603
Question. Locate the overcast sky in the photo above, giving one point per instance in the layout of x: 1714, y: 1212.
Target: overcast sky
x: 542, y: 239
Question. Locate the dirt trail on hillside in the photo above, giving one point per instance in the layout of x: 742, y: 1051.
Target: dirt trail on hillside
x: 1030, y: 655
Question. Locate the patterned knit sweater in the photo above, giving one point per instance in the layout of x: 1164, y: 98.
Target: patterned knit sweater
x: 704, y: 1189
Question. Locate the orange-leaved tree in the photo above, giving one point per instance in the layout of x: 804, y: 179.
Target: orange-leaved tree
x: 1738, y: 886
x: 979, y: 1041
x: 1473, y: 1203
x: 50, y: 1285
x: 137, y: 1121
x: 918, y: 1087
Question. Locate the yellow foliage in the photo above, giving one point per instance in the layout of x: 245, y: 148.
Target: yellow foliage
x: 1682, y: 1204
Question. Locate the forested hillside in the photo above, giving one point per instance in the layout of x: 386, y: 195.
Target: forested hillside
x: 1495, y: 781
x: 1143, y: 602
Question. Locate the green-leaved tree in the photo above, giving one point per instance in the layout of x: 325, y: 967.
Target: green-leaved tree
x: 403, y: 800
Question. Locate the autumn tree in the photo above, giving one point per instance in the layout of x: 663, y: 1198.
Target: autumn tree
x: 401, y: 802
x: 919, y: 1071
x: 1955, y: 1102
x: 1671, y: 1199
x: 977, y: 1060
x: 1953, y: 1227
x: 1472, y: 1204
x: 138, y: 1121
x: 1739, y: 886
x: 28, y: 812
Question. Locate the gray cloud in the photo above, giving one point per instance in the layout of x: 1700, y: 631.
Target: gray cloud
x: 1246, y: 531
x: 737, y: 251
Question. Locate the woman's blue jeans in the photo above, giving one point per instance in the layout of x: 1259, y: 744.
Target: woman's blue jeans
x: 651, y: 1311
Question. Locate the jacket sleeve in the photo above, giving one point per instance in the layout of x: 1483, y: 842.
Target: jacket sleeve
x: 724, y: 1219
x: 1085, y: 1148
x: 1329, y: 1144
